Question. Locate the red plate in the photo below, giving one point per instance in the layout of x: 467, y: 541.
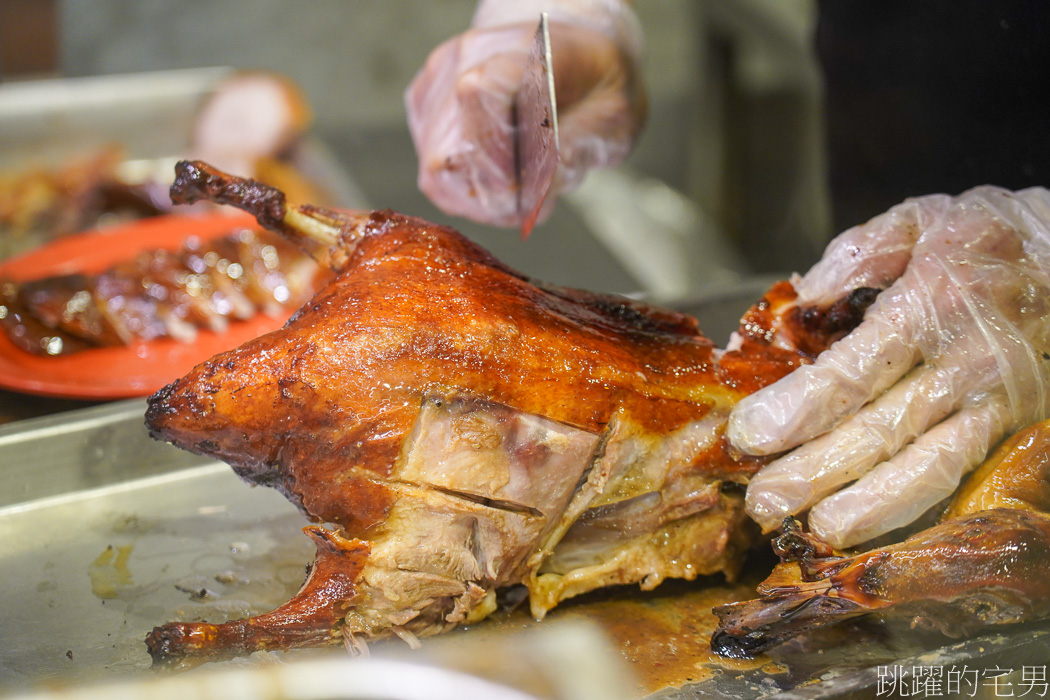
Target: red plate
x: 129, y: 371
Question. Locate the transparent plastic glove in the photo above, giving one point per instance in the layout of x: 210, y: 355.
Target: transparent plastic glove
x: 460, y: 103
x: 953, y: 355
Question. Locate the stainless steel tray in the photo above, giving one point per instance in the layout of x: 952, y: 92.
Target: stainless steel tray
x: 107, y: 533
x: 105, y: 529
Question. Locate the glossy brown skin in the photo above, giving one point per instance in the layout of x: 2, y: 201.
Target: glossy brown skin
x: 321, y: 408
x: 158, y: 293
x: 985, y: 564
x: 1017, y: 475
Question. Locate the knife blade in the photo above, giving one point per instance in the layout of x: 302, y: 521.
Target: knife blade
x: 536, y: 129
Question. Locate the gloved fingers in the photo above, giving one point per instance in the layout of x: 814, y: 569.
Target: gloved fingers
x: 601, y: 98
x: 972, y: 303
x: 897, y: 492
x: 815, y: 398
x: 1026, y: 213
x: 874, y: 254
x: 459, y: 115
x: 460, y: 105
x: 982, y: 307
x: 1037, y: 210
x: 793, y: 483
x: 485, y: 95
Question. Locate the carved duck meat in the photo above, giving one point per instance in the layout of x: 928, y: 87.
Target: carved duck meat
x: 984, y: 564
x: 159, y: 293
x: 455, y: 430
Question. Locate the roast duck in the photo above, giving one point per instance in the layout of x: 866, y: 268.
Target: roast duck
x: 459, y: 433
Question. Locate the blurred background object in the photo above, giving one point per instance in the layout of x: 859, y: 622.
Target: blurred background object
x: 755, y: 153
x: 729, y: 163
x: 773, y: 123
x: 95, y: 257
x: 28, y: 38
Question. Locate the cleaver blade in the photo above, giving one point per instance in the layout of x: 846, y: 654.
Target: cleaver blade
x: 536, y: 129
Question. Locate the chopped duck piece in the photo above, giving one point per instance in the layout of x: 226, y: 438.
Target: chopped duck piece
x: 462, y: 430
x: 159, y: 294
x: 69, y: 198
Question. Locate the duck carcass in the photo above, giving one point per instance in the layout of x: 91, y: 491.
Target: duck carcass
x: 456, y: 430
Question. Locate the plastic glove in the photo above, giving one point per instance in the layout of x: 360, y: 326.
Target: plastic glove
x: 460, y: 103
x: 953, y: 355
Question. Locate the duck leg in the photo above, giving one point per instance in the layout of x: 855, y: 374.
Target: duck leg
x: 313, y: 617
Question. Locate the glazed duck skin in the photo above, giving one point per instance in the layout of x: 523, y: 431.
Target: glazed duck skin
x: 459, y: 428
x: 158, y: 294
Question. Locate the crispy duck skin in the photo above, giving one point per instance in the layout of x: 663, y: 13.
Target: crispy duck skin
x: 159, y: 294
x: 984, y: 564
x: 464, y: 429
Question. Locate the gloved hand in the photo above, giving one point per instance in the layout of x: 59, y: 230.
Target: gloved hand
x: 460, y: 103
x: 952, y: 356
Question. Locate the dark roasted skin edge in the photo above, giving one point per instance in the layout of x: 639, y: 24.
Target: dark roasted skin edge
x: 196, y: 181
